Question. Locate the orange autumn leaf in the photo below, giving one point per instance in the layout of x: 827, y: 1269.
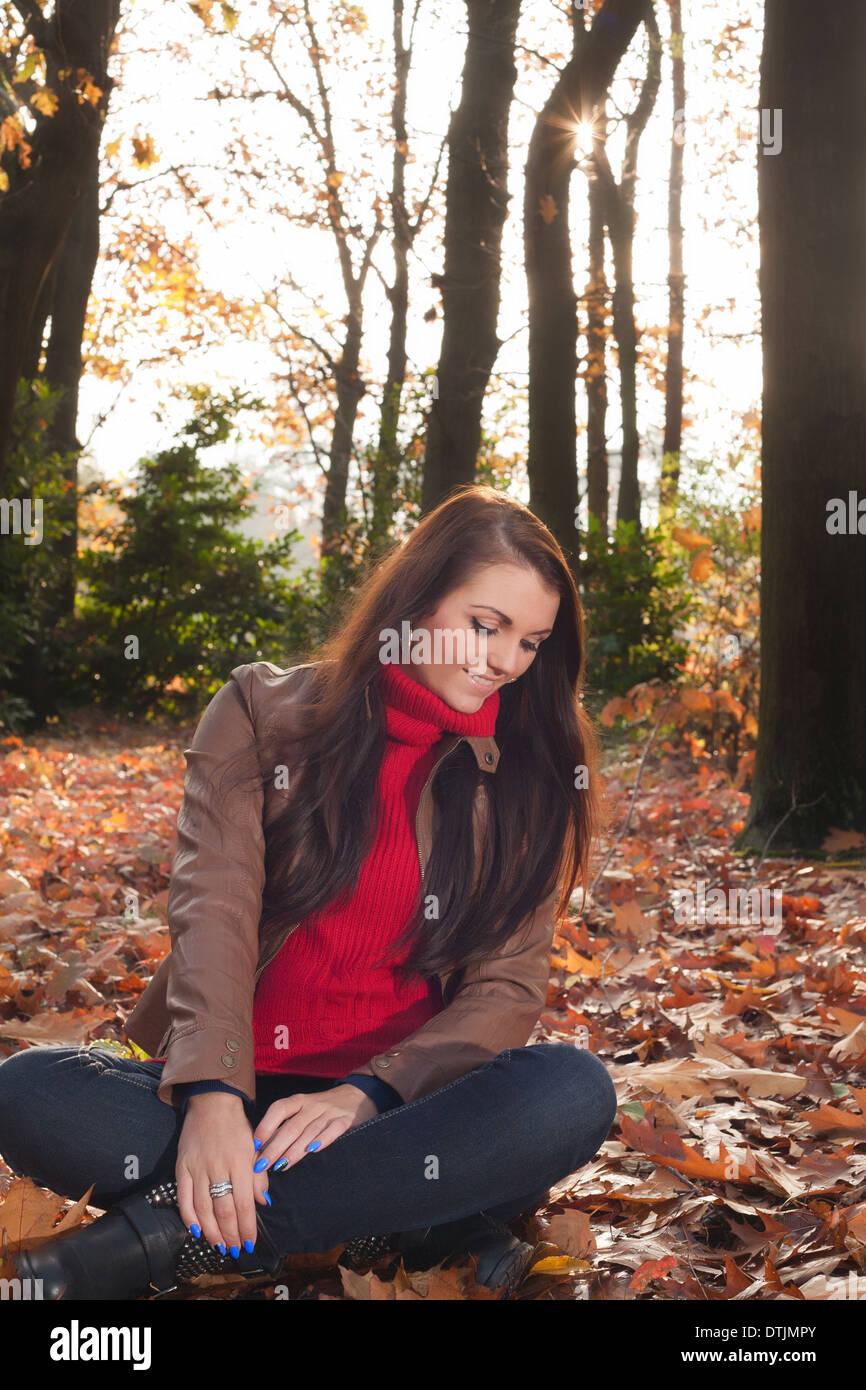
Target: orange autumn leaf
x: 692, y: 540
x: 652, y: 1269
x: 829, y: 1119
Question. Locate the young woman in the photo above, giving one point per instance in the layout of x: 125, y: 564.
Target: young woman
x: 373, y: 850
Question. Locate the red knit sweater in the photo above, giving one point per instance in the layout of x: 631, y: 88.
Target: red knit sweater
x: 321, y: 1006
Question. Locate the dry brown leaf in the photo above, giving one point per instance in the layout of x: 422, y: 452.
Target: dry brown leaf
x: 27, y: 1215
x: 570, y: 1232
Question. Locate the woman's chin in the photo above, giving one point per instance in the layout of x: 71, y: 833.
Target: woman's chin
x: 461, y: 696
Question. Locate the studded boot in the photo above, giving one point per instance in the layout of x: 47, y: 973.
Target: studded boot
x: 502, y: 1260
x: 139, y: 1248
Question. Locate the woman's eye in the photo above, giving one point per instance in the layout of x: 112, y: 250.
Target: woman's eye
x: 492, y: 631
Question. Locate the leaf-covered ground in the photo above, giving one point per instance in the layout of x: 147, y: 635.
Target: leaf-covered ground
x: 737, y: 1164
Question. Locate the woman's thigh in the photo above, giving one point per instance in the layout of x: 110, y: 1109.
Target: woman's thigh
x: 72, y: 1116
x: 75, y: 1116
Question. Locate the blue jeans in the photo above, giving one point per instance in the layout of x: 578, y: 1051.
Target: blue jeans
x: 493, y: 1141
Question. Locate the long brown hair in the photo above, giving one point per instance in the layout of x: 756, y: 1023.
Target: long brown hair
x: 541, y: 814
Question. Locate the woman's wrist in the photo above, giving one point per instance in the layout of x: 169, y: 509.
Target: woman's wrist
x: 215, y: 1100
x: 367, y: 1107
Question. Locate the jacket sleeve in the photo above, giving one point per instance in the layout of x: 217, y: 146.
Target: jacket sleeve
x: 214, y: 901
x: 495, y: 1007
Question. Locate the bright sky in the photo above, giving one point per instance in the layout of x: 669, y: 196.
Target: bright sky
x: 160, y: 95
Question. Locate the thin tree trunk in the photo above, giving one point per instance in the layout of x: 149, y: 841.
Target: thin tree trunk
x: 552, y: 304
x: 349, y: 388
x: 386, y: 464
x: 669, y: 483
x: 595, y: 375
x: 476, y: 207
x: 812, y: 740
x: 75, y: 268
x: 596, y: 299
x: 621, y: 224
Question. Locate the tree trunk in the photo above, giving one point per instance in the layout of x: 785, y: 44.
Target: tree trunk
x: 596, y: 299
x: 72, y: 283
x: 595, y: 374
x: 38, y: 207
x: 621, y: 228
x: 670, y: 478
x: 621, y: 224
x: 552, y: 304
x: 476, y: 206
x: 349, y: 388
x: 812, y: 740
x: 386, y: 463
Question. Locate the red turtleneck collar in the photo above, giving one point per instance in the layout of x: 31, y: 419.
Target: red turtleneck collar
x: 415, y: 714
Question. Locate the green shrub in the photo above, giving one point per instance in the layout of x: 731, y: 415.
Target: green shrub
x: 637, y: 602
x: 173, y: 594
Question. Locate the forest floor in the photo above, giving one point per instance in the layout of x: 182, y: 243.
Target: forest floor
x: 736, y: 1167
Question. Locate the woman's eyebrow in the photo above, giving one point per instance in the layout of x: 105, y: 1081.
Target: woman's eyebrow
x: 539, y: 631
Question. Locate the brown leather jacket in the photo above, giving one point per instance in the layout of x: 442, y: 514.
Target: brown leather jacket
x: 197, y: 1010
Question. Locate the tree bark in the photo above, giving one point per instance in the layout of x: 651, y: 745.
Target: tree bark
x: 552, y: 302
x: 476, y: 206
x: 38, y: 207
x: 812, y: 742
x: 669, y: 482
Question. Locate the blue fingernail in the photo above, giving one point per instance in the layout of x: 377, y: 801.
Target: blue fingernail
x: 258, y: 1144
x: 261, y: 1165
x: 234, y: 1251
x: 268, y: 1198
x: 196, y: 1229
x: 280, y: 1164
x: 311, y: 1148
x: 220, y: 1247
x: 248, y: 1246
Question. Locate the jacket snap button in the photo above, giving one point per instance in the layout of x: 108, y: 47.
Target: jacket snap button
x: 232, y: 1044
x: 488, y: 757
x: 382, y: 1062
x: 227, y: 1060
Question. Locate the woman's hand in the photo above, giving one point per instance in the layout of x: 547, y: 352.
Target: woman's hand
x: 290, y: 1126
x: 216, y: 1142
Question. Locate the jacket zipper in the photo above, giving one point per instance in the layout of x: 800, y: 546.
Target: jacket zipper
x: 431, y: 774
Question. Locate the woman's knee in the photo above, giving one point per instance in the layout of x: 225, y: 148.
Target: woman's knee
x: 578, y: 1085
x: 26, y: 1083
x: 19, y: 1075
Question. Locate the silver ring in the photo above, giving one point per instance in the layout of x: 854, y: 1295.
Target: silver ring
x: 220, y: 1189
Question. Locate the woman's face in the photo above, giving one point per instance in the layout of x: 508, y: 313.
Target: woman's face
x: 516, y: 609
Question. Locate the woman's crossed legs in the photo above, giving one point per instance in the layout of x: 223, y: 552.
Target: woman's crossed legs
x: 518, y: 1124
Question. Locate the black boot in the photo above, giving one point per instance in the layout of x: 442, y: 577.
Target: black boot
x: 139, y: 1247
x: 502, y: 1260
